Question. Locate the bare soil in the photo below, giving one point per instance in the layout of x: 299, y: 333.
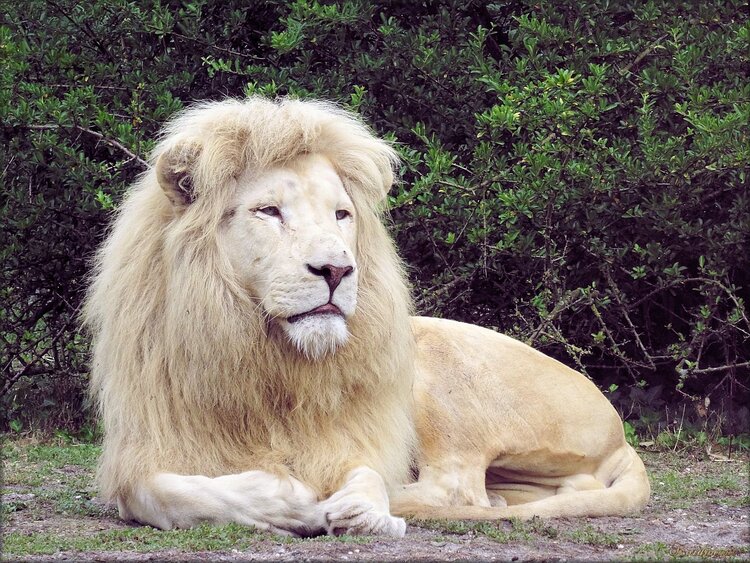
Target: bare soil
x: 698, y: 510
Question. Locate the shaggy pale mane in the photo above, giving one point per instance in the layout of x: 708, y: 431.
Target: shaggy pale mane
x: 189, y: 375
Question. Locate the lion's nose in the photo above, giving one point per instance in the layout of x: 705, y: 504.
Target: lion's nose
x: 332, y: 274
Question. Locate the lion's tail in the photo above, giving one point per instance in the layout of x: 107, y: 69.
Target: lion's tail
x: 627, y: 494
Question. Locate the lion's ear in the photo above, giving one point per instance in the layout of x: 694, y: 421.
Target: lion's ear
x: 174, y: 171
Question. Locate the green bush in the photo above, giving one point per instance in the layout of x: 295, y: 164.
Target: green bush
x: 575, y: 173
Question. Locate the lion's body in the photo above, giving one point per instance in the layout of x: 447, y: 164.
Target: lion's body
x: 210, y: 411
x: 496, y: 418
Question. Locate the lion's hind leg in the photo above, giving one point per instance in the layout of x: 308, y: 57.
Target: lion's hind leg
x: 457, y: 482
x: 252, y: 498
x: 619, y: 487
x: 508, y: 494
x: 515, y: 490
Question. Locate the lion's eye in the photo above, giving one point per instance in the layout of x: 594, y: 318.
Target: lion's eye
x: 271, y: 211
x: 342, y: 214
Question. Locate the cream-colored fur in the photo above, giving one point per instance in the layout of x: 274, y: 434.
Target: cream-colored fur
x: 214, y: 408
x: 254, y: 359
x: 502, y: 424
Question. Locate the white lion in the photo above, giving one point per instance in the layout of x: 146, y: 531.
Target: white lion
x: 254, y: 359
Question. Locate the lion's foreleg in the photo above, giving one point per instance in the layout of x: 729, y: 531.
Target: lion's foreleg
x: 361, y: 506
x: 253, y: 498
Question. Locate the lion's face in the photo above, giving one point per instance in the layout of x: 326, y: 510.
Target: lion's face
x: 290, y: 236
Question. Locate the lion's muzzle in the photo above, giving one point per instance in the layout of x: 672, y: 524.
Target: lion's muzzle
x: 327, y: 309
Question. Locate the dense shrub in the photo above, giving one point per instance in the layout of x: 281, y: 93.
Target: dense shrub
x: 575, y: 172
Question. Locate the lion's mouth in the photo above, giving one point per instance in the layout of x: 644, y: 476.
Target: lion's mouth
x: 327, y: 309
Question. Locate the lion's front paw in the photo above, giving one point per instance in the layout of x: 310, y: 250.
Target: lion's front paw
x: 361, y: 507
x: 361, y: 518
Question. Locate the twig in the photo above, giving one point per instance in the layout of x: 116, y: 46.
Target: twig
x: 436, y: 248
x: 99, y: 86
x: 643, y: 53
x: 571, y: 300
x: 38, y: 356
x: 106, y: 140
x: 624, y: 309
x: 679, y: 430
x: 10, y: 161
x: 217, y: 48
x: 86, y: 30
x: 719, y: 368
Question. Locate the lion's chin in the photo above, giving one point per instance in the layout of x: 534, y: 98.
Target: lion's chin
x: 317, y: 336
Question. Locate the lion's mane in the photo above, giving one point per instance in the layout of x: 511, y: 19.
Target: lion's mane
x: 185, y: 373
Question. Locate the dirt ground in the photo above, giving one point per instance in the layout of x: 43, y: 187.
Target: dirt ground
x: 698, y: 510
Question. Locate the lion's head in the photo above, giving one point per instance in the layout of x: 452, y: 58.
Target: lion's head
x: 291, y: 214
x: 290, y: 235
x: 250, y: 292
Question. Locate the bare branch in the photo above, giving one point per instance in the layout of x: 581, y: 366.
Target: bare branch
x: 651, y: 46
x: 718, y: 368
x: 38, y: 356
x: 210, y: 45
x: 106, y: 140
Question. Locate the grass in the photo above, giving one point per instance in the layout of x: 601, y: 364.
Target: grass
x: 520, y: 531
x: 141, y: 539
x: 30, y: 464
x: 59, y: 474
x: 678, y: 488
x: 48, y: 487
x: 592, y: 536
x: 662, y: 551
x: 501, y: 532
